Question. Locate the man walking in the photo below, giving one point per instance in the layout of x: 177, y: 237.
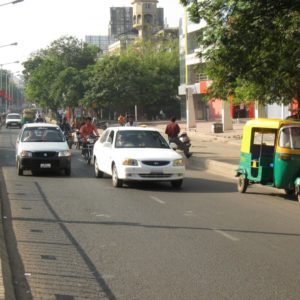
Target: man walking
x: 173, y: 130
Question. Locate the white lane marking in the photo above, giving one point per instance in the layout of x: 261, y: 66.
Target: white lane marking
x: 103, y: 215
x: 157, y: 200
x: 189, y: 213
x: 228, y: 236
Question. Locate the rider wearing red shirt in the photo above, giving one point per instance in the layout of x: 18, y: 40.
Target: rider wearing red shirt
x: 88, y: 128
x: 85, y: 130
x: 173, y: 130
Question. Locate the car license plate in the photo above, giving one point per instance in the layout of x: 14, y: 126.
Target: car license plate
x: 158, y: 172
x: 45, y: 166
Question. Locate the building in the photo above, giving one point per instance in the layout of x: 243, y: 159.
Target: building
x: 121, y: 44
x: 193, y: 82
x: 101, y: 41
x: 121, y: 21
x: 147, y: 17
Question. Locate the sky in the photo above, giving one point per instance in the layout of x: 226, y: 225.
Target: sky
x: 35, y: 24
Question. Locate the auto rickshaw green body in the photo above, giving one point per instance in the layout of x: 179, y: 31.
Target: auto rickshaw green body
x: 269, y: 155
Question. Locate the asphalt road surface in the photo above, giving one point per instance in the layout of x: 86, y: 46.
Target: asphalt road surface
x: 79, y: 238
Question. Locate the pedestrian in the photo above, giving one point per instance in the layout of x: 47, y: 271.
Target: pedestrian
x: 173, y: 130
x: 130, y: 121
x: 121, y: 120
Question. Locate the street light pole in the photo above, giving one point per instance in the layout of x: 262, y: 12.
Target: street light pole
x: 12, y: 44
x: 12, y: 2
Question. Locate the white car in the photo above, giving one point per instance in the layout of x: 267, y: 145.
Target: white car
x: 42, y: 146
x: 13, y: 120
x: 137, y: 154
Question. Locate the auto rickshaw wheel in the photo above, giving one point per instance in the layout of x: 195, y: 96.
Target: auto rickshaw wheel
x: 242, y: 184
x: 289, y: 192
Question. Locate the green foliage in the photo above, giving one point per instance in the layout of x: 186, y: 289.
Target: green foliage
x: 67, y: 74
x: 53, y: 76
x: 253, y: 47
x: 146, y: 75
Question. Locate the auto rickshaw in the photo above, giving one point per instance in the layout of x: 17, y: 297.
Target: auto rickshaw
x: 270, y: 155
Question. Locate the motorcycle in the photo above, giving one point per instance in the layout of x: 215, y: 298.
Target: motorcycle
x: 88, y: 147
x: 184, y: 138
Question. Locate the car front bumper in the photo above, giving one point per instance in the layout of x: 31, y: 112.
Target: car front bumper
x: 39, y: 164
x: 150, y: 174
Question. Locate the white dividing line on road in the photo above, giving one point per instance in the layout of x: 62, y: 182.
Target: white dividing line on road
x: 157, y: 200
x: 228, y: 236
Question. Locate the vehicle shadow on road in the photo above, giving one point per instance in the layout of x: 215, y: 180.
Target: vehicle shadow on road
x: 190, y: 185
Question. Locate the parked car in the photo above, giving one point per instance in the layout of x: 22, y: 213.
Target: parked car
x: 13, y: 120
x: 137, y: 154
x: 42, y: 146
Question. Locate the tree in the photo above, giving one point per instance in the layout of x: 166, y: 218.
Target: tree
x: 145, y: 75
x: 54, y: 76
x: 252, y: 47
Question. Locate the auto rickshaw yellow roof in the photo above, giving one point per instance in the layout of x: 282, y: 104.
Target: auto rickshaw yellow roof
x: 270, y: 123
x: 265, y: 124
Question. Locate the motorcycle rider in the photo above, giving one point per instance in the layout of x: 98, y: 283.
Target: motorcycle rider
x: 173, y: 130
x: 39, y: 119
x: 65, y: 126
x: 87, y: 129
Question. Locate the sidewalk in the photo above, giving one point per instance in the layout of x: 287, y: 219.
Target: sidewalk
x: 214, y: 152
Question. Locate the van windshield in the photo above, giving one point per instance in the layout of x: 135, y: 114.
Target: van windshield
x: 290, y: 137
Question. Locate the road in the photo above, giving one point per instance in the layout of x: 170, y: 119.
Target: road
x: 79, y: 238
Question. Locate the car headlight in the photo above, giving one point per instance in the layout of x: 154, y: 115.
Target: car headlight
x: 64, y: 153
x: 26, y: 154
x: 130, y: 162
x: 178, y: 163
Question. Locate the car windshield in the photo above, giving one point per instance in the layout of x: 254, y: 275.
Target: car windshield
x: 290, y: 137
x: 140, y: 139
x: 42, y: 134
x: 16, y: 116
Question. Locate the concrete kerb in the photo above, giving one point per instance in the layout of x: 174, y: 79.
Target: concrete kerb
x: 213, y: 166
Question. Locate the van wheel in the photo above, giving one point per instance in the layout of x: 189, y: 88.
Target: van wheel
x: 116, y: 182
x: 242, y: 184
x: 20, y: 170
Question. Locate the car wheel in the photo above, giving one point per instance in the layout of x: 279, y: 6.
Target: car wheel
x: 115, y: 179
x: 242, y: 184
x: 20, y: 170
x: 68, y: 171
x: 177, y: 183
x: 98, y: 173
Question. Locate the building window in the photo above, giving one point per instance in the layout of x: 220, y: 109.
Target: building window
x: 148, y: 19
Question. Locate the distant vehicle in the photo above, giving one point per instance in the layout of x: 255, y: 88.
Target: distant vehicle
x: 137, y: 154
x: 42, y: 146
x: 13, y: 120
x: 28, y: 115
